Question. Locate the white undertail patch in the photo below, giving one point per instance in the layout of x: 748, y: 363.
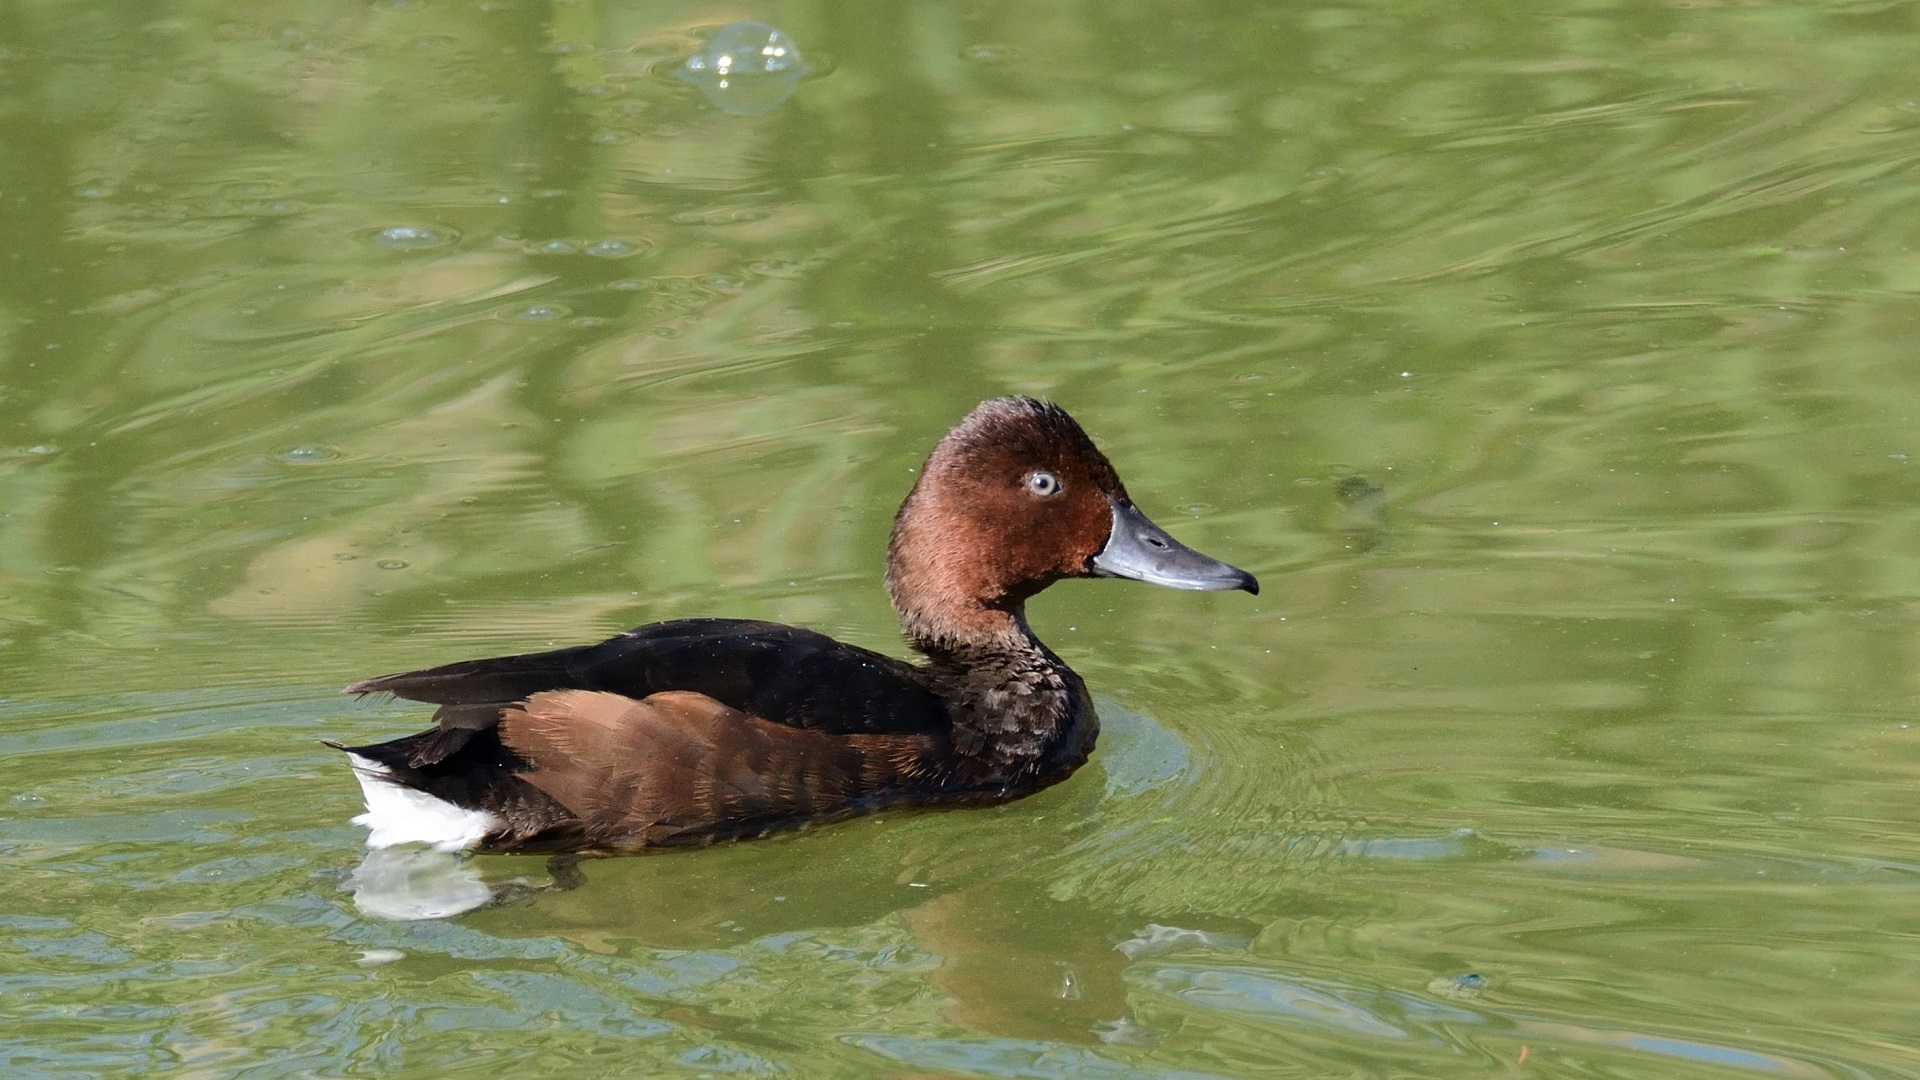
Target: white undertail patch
x: 397, y: 814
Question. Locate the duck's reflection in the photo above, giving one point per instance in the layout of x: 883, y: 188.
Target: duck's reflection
x: 1020, y: 965
x: 973, y: 896
x: 1010, y: 960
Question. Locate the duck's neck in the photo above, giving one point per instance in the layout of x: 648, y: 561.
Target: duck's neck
x: 1021, y: 717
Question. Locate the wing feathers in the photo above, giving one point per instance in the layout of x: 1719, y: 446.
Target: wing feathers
x: 495, y: 679
x: 778, y: 673
x: 680, y: 766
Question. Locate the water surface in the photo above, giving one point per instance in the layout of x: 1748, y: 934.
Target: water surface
x: 1553, y: 368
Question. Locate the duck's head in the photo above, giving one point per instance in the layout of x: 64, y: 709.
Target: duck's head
x: 1013, y: 499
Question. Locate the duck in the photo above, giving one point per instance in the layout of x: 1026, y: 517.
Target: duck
x: 699, y: 730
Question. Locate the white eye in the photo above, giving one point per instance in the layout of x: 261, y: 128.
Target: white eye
x: 1043, y: 483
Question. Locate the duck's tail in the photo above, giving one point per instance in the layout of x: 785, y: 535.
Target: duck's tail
x: 400, y: 813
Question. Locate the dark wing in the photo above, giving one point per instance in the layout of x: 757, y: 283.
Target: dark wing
x: 777, y: 673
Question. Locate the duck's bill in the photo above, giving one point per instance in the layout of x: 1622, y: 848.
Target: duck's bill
x: 1141, y: 550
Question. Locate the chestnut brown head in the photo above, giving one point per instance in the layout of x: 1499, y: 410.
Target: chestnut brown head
x: 1013, y: 499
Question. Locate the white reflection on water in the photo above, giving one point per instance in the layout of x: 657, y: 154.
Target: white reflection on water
x: 407, y: 883
x: 1157, y: 940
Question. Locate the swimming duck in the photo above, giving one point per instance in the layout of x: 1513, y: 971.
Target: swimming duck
x: 697, y: 730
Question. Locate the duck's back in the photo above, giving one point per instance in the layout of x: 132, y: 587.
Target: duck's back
x: 669, y: 733
x: 778, y: 673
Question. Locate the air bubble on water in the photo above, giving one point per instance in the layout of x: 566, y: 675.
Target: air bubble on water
x: 988, y: 54
x: 745, y: 68
x: 392, y: 564
x: 539, y: 313
x: 307, y: 455
x: 1467, y: 984
x: 743, y: 48
x: 611, y: 248
x: 412, y: 237
x: 553, y: 247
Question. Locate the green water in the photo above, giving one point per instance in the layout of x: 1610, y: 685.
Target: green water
x: 1555, y: 367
